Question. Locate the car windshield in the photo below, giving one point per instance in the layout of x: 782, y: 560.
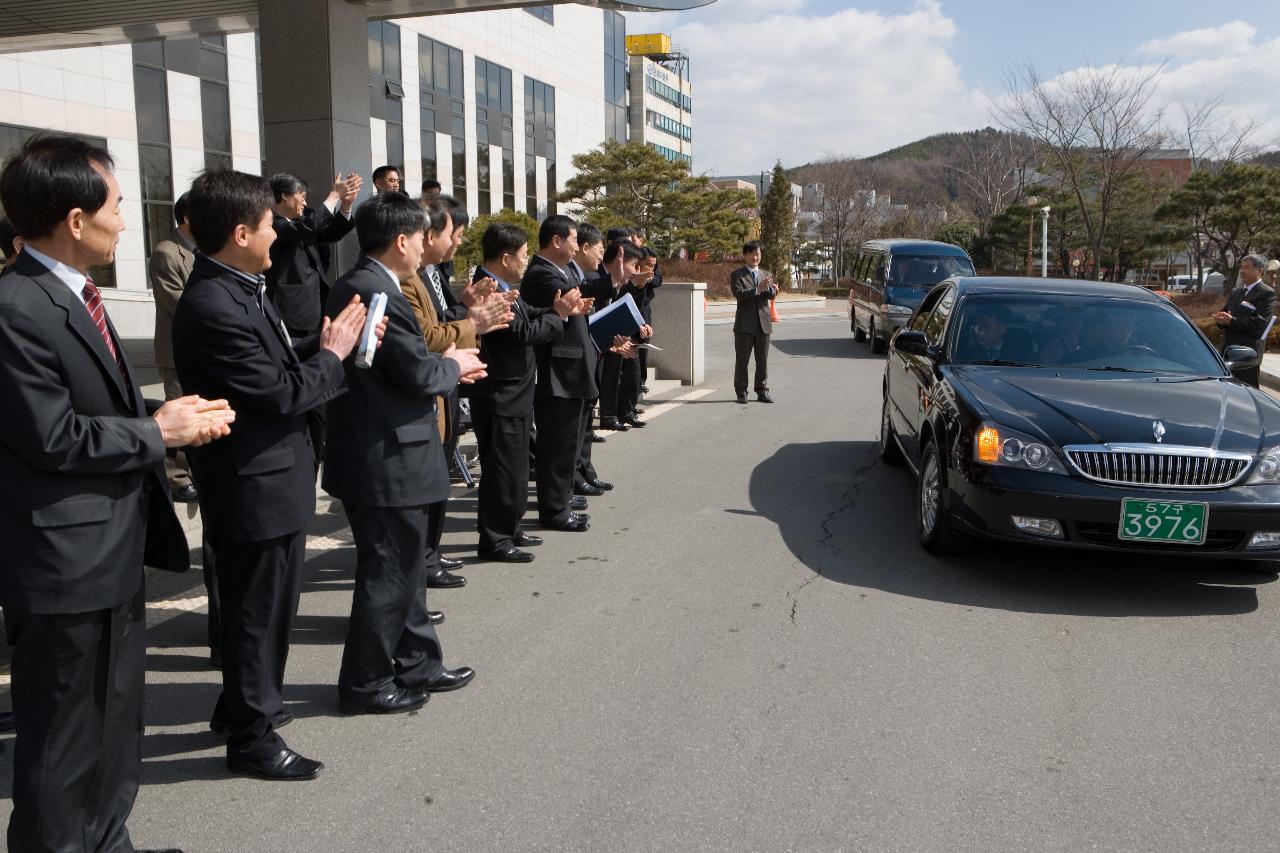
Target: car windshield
x: 1079, y: 332
x: 925, y: 270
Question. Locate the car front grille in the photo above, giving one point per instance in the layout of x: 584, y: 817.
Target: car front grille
x: 1158, y: 466
x: 1101, y: 533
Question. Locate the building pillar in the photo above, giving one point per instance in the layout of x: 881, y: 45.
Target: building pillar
x: 315, y: 96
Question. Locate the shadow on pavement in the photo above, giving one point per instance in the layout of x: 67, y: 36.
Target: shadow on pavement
x: 839, y: 347
x: 851, y: 519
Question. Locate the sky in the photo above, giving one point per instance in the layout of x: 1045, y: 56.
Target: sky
x: 794, y: 80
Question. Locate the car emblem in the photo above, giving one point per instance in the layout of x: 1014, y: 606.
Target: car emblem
x: 1158, y: 428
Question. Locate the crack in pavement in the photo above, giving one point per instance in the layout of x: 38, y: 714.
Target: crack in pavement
x: 847, y: 502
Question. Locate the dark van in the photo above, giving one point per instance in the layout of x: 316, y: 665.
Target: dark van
x: 892, y: 277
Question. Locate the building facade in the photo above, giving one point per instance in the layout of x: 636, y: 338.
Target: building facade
x: 661, y: 101
x: 492, y: 104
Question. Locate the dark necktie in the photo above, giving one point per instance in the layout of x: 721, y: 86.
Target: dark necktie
x: 98, y: 313
x: 435, y: 285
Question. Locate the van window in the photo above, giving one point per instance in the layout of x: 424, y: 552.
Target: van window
x: 926, y: 270
x: 878, y: 274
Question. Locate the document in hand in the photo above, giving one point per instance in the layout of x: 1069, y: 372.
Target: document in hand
x: 620, y: 318
x: 369, y: 337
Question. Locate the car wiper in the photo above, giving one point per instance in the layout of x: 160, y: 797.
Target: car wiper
x: 1113, y: 369
x: 1003, y: 362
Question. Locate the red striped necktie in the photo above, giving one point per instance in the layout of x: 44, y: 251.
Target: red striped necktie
x: 98, y: 313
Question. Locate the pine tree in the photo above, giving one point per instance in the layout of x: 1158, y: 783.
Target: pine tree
x: 778, y: 226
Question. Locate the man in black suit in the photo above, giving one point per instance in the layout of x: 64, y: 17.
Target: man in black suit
x: 385, y: 464
x: 1249, y: 310
x: 632, y: 381
x: 585, y: 269
x: 257, y: 489
x: 753, y: 288
x: 566, y: 378
x: 502, y: 402
x: 646, y: 305
x: 621, y: 379
x: 84, y: 505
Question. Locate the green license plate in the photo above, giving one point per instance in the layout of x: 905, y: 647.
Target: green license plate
x: 1181, y: 523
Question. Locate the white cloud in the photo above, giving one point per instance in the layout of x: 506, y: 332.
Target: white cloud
x: 1230, y: 39
x: 771, y: 82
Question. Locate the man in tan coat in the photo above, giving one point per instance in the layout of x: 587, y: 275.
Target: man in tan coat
x: 171, y: 263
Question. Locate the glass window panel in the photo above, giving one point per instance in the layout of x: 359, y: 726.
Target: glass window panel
x: 528, y: 96
x: 103, y: 276
x: 215, y: 107
x: 375, y: 47
x: 149, y: 52
x: 506, y: 91
x: 551, y: 188
x: 495, y: 86
x: 424, y: 63
x: 551, y: 106
x: 428, y: 156
x: 157, y: 172
x: 213, y: 65
x: 183, y: 55
x: 608, y: 33
x: 158, y: 227
x: 214, y: 160
x: 215, y: 41
x: 455, y: 72
x: 394, y: 110
x: 440, y: 65
x: 151, y: 103
x: 482, y: 83
x: 508, y: 172
x: 539, y: 101
x: 391, y: 51
x: 459, y: 129
x: 427, y: 120
x: 395, y: 144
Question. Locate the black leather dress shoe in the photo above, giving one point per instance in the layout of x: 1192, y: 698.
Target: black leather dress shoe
x: 742, y: 397
x: 633, y: 421
x: 285, y: 766
x: 587, y: 490
x: 525, y: 540
x: 613, y: 424
x: 186, y: 494
x: 451, y: 679
x: 644, y: 389
x: 637, y: 411
x: 509, y: 555
x: 578, y: 503
x: 601, y: 484
x: 434, y: 617
x: 763, y: 397
x: 444, y: 580
x: 575, y: 524
x: 393, y: 700
x: 596, y: 437
x: 450, y: 565
x: 579, y: 516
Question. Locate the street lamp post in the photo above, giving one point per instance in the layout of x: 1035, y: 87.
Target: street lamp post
x: 1044, y: 242
x: 1031, y: 225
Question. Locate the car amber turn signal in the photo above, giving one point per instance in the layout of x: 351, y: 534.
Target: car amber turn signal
x: 988, y: 443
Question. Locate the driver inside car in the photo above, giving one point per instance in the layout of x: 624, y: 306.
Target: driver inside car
x: 988, y: 337
x: 1114, y: 335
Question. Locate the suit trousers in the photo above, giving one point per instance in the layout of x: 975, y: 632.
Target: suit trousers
x: 503, y: 442
x: 389, y: 638
x: 584, y: 471
x: 559, y: 422
x: 77, y: 702
x: 259, y: 584
x: 610, y: 379
x: 629, y: 386
x: 744, y: 344
x: 439, y: 511
x: 209, y: 573
x: 177, y: 470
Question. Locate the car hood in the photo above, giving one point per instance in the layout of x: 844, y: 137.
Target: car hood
x: 1096, y: 408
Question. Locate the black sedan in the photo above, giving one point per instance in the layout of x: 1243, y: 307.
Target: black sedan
x: 1083, y: 415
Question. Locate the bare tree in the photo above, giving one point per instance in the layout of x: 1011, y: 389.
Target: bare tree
x: 1092, y: 127
x: 991, y: 174
x: 843, y: 206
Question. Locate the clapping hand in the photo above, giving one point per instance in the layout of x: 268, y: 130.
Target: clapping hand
x: 194, y: 421
x: 478, y: 291
x: 624, y: 346
x: 646, y: 331
x: 470, y: 367
x: 571, y: 304
x: 1224, y: 318
x: 492, y: 315
x: 341, y: 334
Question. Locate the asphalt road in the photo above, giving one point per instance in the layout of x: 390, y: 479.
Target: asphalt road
x: 748, y: 651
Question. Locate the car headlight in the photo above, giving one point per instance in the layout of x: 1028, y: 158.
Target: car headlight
x: 998, y: 445
x: 898, y: 309
x: 1268, y: 468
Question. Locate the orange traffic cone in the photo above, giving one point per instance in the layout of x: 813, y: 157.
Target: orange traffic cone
x: 773, y: 311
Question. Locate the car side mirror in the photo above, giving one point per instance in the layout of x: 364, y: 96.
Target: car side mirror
x: 1239, y: 357
x: 913, y: 343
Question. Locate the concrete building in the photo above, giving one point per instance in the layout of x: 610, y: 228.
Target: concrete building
x: 661, y: 97
x: 493, y: 104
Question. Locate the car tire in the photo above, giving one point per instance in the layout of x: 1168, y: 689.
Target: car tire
x: 858, y: 334
x: 879, y: 346
x: 933, y: 520
x: 890, y: 451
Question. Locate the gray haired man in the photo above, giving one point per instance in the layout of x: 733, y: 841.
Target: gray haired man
x: 1245, y: 318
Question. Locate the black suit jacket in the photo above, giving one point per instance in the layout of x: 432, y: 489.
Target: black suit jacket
x: 509, y: 354
x: 752, y: 316
x: 383, y: 447
x: 566, y: 367
x: 295, y: 281
x: 260, y: 481
x: 1248, y: 324
x: 83, y: 500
